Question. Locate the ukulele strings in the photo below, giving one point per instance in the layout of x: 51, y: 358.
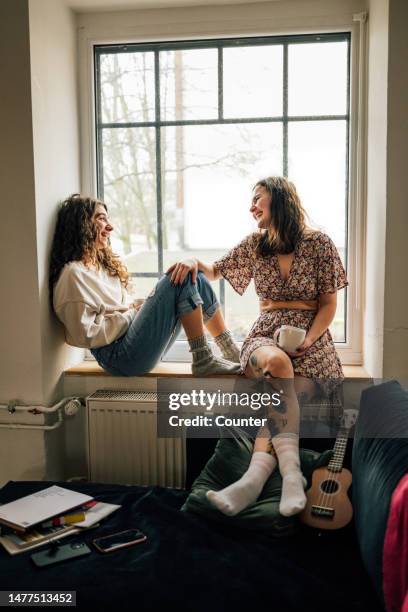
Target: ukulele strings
x: 331, y: 487
x: 323, y: 498
x: 324, y: 493
x: 333, y: 482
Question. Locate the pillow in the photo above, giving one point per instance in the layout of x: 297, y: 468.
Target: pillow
x: 229, y: 461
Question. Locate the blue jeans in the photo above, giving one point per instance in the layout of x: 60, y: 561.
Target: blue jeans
x: 156, y: 326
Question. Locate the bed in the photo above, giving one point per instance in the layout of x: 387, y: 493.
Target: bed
x: 190, y: 563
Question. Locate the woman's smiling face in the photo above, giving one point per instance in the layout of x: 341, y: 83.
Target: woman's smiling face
x: 103, y: 227
x: 261, y: 206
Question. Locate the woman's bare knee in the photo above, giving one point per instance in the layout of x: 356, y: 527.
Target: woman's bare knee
x: 269, y: 361
x: 277, y: 365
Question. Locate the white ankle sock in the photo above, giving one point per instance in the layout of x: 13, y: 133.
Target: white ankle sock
x: 293, y: 498
x: 247, y: 489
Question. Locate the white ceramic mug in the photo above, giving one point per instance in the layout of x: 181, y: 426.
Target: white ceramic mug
x: 289, y: 338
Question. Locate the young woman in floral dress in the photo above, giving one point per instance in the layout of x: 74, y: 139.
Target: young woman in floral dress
x: 297, y: 272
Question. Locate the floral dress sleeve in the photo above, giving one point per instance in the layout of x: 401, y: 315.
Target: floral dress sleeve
x: 331, y: 275
x: 237, y: 266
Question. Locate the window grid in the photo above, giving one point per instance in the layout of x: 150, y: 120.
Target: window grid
x: 285, y: 119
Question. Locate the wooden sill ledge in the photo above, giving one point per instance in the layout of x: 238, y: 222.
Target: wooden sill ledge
x: 177, y: 369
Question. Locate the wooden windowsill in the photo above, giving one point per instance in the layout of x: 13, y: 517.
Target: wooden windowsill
x: 177, y: 369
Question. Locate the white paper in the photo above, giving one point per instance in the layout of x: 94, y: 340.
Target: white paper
x: 40, y: 506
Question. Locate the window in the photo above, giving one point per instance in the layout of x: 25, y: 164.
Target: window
x: 185, y: 129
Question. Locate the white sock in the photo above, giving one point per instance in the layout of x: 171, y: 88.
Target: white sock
x: 247, y: 489
x: 293, y: 498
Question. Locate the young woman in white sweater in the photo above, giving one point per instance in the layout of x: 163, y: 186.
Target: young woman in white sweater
x: 88, y: 294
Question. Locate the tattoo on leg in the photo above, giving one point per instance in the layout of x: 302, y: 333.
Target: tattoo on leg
x: 281, y: 408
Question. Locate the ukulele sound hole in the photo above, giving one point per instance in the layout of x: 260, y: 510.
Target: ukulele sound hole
x: 329, y: 486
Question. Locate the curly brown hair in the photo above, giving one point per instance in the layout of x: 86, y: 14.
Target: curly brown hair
x: 74, y: 240
x: 288, y: 217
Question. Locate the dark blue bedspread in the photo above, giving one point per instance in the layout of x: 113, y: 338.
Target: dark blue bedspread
x: 189, y: 563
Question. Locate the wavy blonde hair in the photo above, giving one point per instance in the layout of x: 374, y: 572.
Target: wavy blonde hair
x: 74, y: 240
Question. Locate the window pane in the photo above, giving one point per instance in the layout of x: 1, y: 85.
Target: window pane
x: 140, y: 287
x: 317, y: 76
x: 241, y: 310
x: 253, y: 82
x: 338, y: 327
x: 130, y: 193
x: 127, y: 87
x: 317, y: 166
x: 189, y: 84
x: 208, y: 175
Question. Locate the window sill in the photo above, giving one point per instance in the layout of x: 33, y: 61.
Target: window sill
x: 176, y: 370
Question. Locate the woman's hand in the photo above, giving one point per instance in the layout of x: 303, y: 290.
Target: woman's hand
x: 321, y: 322
x: 137, y: 304
x: 302, y: 348
x: 180, y: 270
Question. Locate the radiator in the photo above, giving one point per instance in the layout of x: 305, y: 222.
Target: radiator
x: 123, y: 447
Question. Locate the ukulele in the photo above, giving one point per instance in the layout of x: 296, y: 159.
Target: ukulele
x: 328, y: 505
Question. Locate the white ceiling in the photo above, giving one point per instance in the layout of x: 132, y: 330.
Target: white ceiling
x: 85, y: 6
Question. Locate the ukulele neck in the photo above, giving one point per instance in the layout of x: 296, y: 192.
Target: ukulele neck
x: 339, y: 450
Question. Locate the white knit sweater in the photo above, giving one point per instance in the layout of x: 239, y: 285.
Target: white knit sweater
x: 93, y: 306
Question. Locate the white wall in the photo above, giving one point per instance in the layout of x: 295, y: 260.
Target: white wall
x: 279, y: 15
x: 376, y: 186
x: 53, y: 50
x: 20, y: 340
x: 396, y: 269
x: 39, y: 165
x: 386, y: 315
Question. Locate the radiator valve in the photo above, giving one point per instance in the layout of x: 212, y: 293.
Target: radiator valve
x: 72, y: 406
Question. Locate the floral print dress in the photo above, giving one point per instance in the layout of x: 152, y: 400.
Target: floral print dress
x: 316, y: 269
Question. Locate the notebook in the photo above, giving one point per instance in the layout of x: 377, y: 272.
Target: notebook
x: 27, y: 511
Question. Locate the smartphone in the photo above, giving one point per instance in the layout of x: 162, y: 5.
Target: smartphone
x: 57, y: 554
x: 122, y: 539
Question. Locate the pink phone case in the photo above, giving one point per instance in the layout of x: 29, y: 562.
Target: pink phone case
x: 99, y: 542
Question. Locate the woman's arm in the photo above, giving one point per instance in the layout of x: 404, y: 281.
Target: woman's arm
x: 209, y: 270
x: 87, y: 327
x: 180, y: 270
x: 321, y: 322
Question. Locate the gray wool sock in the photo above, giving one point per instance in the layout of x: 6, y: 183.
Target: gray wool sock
x: 199, y: 349
x: 205, y: 362
x: 228, y: 347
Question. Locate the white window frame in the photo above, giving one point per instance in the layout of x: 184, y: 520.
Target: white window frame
x: 99, y: 29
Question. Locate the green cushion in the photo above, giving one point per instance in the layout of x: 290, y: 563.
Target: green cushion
x: 229, y: 461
